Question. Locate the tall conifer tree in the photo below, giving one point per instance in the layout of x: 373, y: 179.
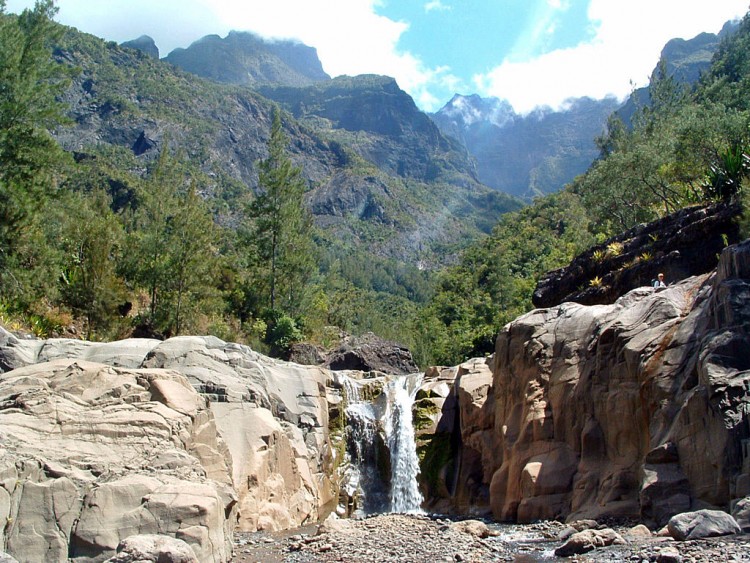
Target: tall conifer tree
x: 30, y: 80
x: 282, y: 225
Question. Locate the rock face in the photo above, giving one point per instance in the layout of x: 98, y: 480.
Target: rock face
x: 92, y: 454
x: 144, y: 44
x: 636, y: 409
x: 247, y: 59
x: 362, y: 353
x: 190, y: 438
x: 679, y: 245
x: 454, y: 421
x: 526, y: 155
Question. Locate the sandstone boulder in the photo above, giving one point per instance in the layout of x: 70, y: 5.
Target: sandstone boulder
x: 80, y: 462
x: 280, y: 468
x: 476, y: 528
x: 702, y: 524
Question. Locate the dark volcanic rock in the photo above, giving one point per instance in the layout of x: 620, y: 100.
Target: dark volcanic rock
x: 685, y: 243
x: 365, y: 353
x: 372, y: 353
x: 145, y: 44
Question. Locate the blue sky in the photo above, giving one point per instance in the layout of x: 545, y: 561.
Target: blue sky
x: 529, y: 52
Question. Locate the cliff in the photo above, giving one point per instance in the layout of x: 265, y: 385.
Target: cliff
x: 636, y: 409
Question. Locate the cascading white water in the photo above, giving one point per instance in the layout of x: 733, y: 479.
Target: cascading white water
x: 399, y: 431
x: 363, y: 482
x: 383, y: 469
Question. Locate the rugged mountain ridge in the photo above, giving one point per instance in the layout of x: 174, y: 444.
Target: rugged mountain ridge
x: 124, y: 99
x: 247, y: 59
x: 685, y: 60
x: 526, y: 155
x: 382, y: 123
x: 538, y: 153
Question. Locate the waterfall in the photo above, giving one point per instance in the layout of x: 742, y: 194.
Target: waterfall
x: 363, y: 482
x: 399, y: 431
x: 383, y: 463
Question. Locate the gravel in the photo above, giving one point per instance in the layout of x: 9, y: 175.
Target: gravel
x: 434, y: 539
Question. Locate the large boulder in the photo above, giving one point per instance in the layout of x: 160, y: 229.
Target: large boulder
x: 702, y: 524
x: 272, y: 416
x: 361, y: 353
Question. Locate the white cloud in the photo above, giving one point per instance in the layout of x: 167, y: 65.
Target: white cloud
x: 365, y: 43
x: 436, y: 5
x: 625, y: 48
x: 351, y: 38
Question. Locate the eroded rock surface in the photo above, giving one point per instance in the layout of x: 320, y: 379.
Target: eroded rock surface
x: 633, y: 410
x: 253, y: 432
x: 91, y: 454
x: 627, y: 410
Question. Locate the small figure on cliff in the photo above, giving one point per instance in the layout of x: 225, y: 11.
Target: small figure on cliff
x: 659, y: 281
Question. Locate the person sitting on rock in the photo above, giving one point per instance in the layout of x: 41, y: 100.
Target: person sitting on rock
x: 659, y: 281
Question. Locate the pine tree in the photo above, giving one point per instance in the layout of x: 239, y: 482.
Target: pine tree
x: 91, y: 240
x: 171, y: 251
x: 191, y: 257
x: 30, y: 81
x: 283, y: 225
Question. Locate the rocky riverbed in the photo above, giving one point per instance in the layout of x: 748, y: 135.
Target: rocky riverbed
x: 422, y: 539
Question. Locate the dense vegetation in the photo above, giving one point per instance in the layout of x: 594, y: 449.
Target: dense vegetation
x: 115, y: 245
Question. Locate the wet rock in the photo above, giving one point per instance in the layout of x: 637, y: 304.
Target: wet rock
x: 588, y: 540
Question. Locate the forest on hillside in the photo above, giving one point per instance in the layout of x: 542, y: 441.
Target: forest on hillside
x: 110, y: 246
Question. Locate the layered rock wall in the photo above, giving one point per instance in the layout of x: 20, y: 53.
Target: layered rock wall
x: 192, y: 437
x: 91, y: 454
x: 637, y: 409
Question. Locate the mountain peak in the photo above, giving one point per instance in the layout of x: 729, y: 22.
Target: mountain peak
x: 145, y: 44
x: 245, y: 58
x: 471, y: 109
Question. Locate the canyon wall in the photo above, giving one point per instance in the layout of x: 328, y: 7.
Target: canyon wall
x: 637, y: 409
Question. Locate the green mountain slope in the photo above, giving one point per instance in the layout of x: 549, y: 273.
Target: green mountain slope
x: 125, y: 99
